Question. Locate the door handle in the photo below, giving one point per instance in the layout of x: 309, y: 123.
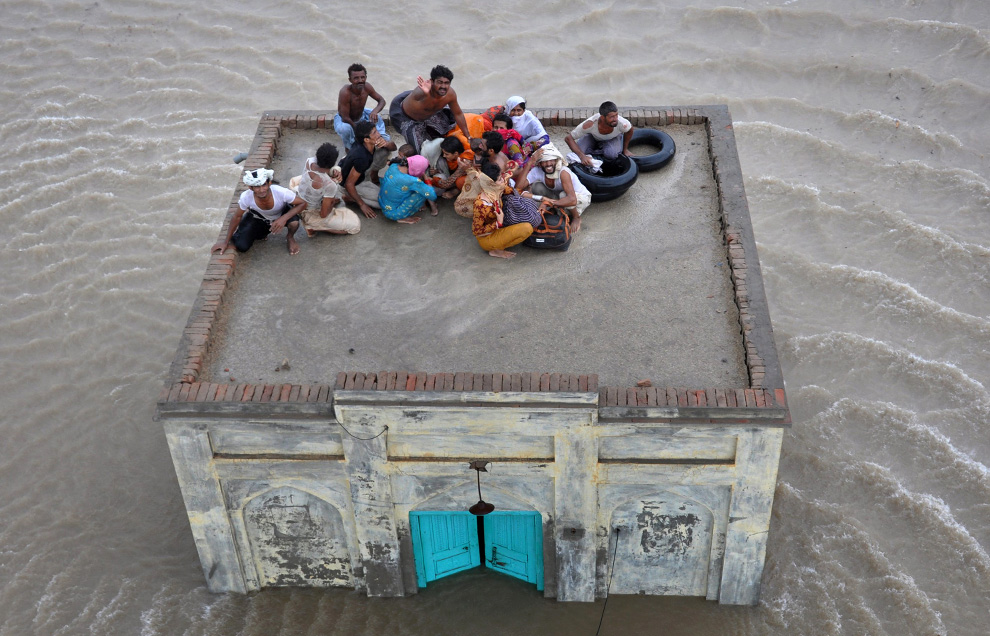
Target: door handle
x: 493, y: 560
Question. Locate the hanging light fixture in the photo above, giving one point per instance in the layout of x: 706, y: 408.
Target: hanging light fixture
x: 481, y: 508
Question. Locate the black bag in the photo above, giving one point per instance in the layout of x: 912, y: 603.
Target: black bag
x: 554, y: 233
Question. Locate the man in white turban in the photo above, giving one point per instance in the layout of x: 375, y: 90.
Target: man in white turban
x: 546, y: 175
x: 269, y: 208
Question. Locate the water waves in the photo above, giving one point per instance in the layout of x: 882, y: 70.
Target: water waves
x: 935, y: 499
x: 860, y: 134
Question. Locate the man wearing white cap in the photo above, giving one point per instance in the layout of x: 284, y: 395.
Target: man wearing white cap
x: 546, y: 175
x: 269, y: 209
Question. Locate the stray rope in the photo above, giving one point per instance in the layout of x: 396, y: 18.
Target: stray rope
x: 363, y: 439
x: 608, y: 588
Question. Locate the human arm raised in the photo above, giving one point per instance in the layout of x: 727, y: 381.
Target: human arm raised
x: 521, y: 176
x: 381, y: 142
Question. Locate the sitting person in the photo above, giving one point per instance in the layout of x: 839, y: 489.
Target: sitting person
x: 512, y: 140
x: 402, y: 195
x: 526, y: 124
x: 489, y: 224
x: 350, y: 110
x: 428, y: 111
x: 476, y: 128
x: 269, y: 209
x: 464, y: 203
x: 521, y: 209
x: 546, y: 175
x: 447, y: 174
x: 356, y: 164
x: 351, y: 101
x: 491, y: 150
x: 318, y: 187
x: 606, y: 133
x: 417, y: 168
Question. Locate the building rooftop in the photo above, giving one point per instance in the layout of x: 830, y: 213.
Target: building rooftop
x: 661, y: 284
x: 643, y: 292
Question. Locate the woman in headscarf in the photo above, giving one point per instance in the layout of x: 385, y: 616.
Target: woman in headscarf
x: 402, y: 194
x: 489, y: 225
x: 526, y: 124
x: 546, y: 175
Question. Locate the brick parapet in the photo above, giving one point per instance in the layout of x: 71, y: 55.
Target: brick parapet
x: 749, y: 295
x: 640, y: 116
x: 655, y: 405
x: 194, y: 391
x: 658, y: 405
x: 465, y: 381
x: 728, y: 397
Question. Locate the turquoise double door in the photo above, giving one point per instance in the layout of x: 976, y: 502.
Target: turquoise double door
x: 445, y: 543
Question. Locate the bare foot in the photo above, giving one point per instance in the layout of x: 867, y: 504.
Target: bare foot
x: 502, y: 254
x: 293, y: 245
x: 310, y: 233
x: 434, y: 210
x: 575, y: 224
x: 409, y: 220
x: 449, y: 194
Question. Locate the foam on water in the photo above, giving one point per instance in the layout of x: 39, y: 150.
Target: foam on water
x: 841, y: 581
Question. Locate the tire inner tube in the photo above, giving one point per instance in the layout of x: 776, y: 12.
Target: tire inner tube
x: 652, y: 137
x: 616, y: 177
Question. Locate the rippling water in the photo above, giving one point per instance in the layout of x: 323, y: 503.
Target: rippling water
x: 863, y: 136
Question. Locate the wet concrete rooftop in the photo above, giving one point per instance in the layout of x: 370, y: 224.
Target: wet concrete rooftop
x: 643, y: 293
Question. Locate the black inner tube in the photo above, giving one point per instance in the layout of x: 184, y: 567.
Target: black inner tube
x: 657, y: 138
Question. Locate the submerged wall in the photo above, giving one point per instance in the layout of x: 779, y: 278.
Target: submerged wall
x: 322, y: 496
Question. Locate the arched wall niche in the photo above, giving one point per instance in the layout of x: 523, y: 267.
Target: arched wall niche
x: 296, y: 538
x: 664, y: 545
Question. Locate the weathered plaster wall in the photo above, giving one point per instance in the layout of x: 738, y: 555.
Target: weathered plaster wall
x: 327, y: 503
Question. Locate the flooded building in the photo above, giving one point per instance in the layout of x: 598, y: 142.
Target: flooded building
x: 334, y: 416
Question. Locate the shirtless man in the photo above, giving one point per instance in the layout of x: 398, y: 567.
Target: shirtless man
x: 351, y: 109
x: 606, y: 132
x: 488, y: 148
x: 428, y: 111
